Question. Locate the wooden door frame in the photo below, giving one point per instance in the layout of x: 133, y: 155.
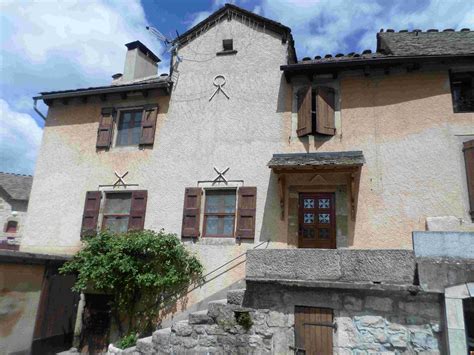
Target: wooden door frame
x: 332, y: 228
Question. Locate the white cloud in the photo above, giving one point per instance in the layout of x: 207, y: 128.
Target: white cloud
x: 333, y: 26
x: 20, y: 138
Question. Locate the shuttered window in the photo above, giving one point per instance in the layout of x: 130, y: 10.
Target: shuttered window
x: 316, y: 111
x: 468, y: 149
x: 105, y: 130
x: 121, y: 211
x: 129, y: 127
x: 227, y: 212
x: 147, y: 136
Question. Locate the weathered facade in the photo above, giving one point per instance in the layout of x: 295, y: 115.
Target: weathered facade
x: 242, y: 147
x: 14, y: 195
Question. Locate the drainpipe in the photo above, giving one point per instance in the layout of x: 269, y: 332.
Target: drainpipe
x: 37, y: 110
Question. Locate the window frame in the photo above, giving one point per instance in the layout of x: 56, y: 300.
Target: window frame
x: 120, y: 113
x: 15, y: 227
x: 452, y: 74
x: 219, y: 214
x: 103, y: 215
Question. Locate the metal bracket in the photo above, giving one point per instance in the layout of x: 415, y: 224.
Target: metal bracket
x: 323, y: 324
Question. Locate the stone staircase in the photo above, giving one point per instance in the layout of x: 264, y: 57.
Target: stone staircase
x: 225, y: 327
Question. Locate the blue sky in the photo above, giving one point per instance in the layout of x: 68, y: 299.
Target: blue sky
x: 52, y: 45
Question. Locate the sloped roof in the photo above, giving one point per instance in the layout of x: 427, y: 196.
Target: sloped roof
x: 320, y: 159
x: 18, y: 187
x: 431, y: 42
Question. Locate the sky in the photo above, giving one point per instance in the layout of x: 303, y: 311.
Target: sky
x: 56, y: 45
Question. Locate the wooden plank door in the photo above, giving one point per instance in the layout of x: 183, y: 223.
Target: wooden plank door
x: 317, y: 220
x: 313, y: 331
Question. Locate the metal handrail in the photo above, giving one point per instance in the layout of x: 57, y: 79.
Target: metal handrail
x: 201, y: 283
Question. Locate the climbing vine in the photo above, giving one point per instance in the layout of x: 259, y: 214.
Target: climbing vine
x: 140, y: 270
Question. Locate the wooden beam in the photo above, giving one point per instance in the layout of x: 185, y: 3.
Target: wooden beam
x: 123, y: 95
x: 329, y: 169
x: 103, y: 97
x: 84, y: 99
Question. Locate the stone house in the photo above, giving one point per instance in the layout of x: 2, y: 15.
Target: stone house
x: 14, y: 195
x: 330, y: 189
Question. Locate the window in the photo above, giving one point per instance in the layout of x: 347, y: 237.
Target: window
x: 468, y: 149
x: 129, y: 127
x: 11, y: 227
x: 316, y: 111
x: 462, y: 90
x: 117, y: 212
x: 228, y: 44
x: 219, y: 213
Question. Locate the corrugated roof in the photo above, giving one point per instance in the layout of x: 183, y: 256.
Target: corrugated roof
x: 18, y: 187
x: 349, y: 158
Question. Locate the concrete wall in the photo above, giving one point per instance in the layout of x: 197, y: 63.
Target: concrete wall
x: 459, y: 245
x: 412, y: 142
x: 20, y: 289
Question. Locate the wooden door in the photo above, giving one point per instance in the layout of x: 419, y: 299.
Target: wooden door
x: 313, y: 331
x: 317, y: 220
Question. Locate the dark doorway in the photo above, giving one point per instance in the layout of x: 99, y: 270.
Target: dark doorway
x: 317, y: 220
x: 468, y: 305
x: 314, y: 329
x: 95, y: 324
x: 56, y: 317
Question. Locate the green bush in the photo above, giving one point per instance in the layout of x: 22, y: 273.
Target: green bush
x: 128, y: 341
x: 244, y: 319
x: 139, y: 269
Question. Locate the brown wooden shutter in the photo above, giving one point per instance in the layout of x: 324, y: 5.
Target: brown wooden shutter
x: 149, y: 125
x: 137, y: 210
x: 325, y: 111
x: 305, y: 125
x: 468, y: 149
x: 105, y: 131
x: 191, y: 212
x: 246, y: 212
x: 91, y: 213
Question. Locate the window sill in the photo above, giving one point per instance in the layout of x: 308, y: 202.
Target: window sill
x: 212, y: 240
x: 226, y: 52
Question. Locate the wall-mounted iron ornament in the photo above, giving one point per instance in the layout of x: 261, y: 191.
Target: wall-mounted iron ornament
x: 219, y: 82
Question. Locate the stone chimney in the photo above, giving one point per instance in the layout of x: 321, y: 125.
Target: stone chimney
x: 140, y: 62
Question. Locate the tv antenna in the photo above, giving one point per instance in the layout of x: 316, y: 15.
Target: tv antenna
x: 168, y: 43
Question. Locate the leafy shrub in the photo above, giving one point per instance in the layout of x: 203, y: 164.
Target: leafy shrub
x: 244, y: 319
x: 138, y: 269
x: 128, y: 341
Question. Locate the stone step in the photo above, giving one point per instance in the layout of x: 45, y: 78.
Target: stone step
x: 145, y: 345
x: 161, y: 337
x: 236, y: 296
x: 200, y: 317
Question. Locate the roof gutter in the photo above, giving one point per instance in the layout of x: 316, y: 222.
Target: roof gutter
x: 37, y: 110
x: 100, y: 91
x: 355, y: 63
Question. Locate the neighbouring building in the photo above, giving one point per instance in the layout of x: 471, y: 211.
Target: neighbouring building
x: 321, y: 195
x: 14, y: 195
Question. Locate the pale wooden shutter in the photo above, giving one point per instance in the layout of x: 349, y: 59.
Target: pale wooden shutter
x: 468, y: 149
x: 147, y: 136
x: 325, y: 111
x: 246, y: 212
x: 137, y: 210
x: 105, y: 130
x: 191, y: 212
x: 91, y: 213
x: 305, y: 125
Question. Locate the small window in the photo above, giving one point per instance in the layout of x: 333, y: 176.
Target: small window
x: 11, y: 227
x: 228, y: 45
x: 129, y: 127
x: 117, y: 212
x: 462, y: 90
x: 219, y: 215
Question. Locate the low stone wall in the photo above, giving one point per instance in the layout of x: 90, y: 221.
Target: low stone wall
x: 375, y: 266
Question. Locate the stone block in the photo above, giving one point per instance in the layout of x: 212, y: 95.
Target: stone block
x: 214, y: 329
x: 200, y: 317
x: 145, y: 345
x: 182, y: 328
x: 353, y: 303
x: 236, y: 296
x: 420, y: 309
x: 162, y: 337
x: 207, y: 340
x: 423, y: 340
x: 347, y: 334
x: 383, y: 304
x: 369, y: 322
x: 189, y: 342
x: 277, y: 319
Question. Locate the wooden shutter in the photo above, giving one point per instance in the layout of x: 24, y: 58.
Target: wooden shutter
x: 305, y: 125
x: 137, y: 210
x: 325, y: 109
x: 191, y: 212
x: 246, y: 212
x: 147, y: 136
x: 91, y: 213
x: 314, y: 330
x: 106, y: 124
x: 468, y: 149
